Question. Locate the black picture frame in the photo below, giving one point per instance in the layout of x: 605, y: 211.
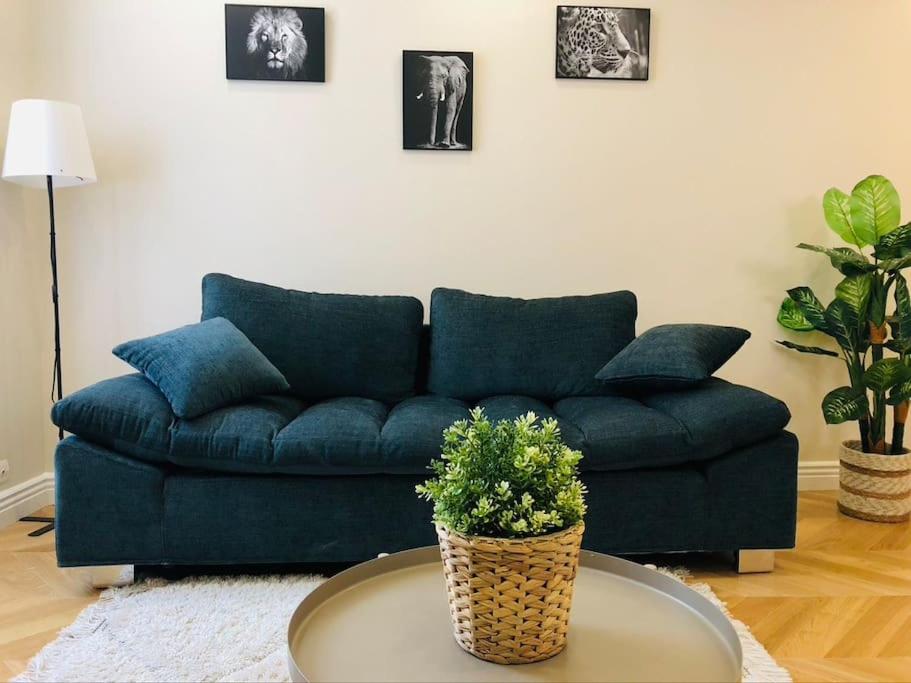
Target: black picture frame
x: 425, y: 72
x: 243, y: 62
x: 634, y: 27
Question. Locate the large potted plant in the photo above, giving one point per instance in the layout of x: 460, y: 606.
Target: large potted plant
x: 508, y: 510
x: 870, y: 315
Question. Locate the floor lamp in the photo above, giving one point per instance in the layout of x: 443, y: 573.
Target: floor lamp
x: 46, y: 148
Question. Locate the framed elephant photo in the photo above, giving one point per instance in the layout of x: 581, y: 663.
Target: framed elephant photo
x: 437, y: 99
x: 603, y: 42
x: 275, y: 43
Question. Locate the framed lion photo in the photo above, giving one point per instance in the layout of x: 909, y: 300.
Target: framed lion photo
x: 603, y: 42
x: 275, y: 43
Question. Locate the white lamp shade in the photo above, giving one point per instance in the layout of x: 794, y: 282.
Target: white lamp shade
x: 47, y: 138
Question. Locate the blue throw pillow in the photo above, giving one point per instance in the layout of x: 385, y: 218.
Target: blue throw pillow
x: 202, y: 367
x: 673, y: 356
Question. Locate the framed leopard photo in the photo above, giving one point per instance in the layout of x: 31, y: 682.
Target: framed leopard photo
x: 610, y: 43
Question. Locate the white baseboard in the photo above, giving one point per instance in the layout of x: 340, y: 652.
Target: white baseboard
x: 817, y: 475
x: 23, y: 499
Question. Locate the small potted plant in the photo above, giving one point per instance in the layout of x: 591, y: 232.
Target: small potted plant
x: 875, y: 475
x: 508, y: 510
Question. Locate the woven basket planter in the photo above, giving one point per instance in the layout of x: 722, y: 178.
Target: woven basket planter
x: 876, y: 488
x: 510, y: 598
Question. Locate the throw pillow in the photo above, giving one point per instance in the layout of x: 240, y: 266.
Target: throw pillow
x: 203, y: 366
x: 673, y: 356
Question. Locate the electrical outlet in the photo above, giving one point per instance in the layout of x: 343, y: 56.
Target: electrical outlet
x: 4, y: 470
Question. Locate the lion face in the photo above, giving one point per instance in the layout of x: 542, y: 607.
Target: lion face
x: 277, y: 41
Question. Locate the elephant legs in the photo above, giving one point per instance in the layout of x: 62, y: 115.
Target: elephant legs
x: 433, y: 123
x: 453, y: 112
x: 455, y: 123
x: 449, y: 126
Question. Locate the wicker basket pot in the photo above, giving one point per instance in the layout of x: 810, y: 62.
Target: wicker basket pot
x: 874, y: 487
x: 510, y: 598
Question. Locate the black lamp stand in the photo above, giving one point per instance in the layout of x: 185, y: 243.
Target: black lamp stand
x: 58, y: 372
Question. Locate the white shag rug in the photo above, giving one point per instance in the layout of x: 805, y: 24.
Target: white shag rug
x: 227, y: 629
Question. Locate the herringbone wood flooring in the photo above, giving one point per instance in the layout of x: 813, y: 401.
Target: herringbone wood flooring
x: 836, y: 609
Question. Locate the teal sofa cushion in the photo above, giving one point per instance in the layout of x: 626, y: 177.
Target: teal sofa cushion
x: 673, y: 427
x: 238, y: 438
x: 127, y: 414
x: 413, y: 433
x: 357, y: 436
x: 673, y: 356
x: 326, y: 345
x: 203, y: 366
x: 543, y: 348
x: 338, y: 435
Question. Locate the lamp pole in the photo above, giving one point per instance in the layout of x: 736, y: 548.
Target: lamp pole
x: 55, y: 297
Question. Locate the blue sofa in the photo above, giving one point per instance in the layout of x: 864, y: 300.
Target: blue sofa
x: 326, y: 472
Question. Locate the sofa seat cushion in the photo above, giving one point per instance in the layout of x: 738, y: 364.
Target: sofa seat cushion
x: 126, y: 414
x: 236, y: 438
x: 719, y: 416
x: 335, y: 436
x: 672, y: 428
x: 284, y: 435
x: 413, y: 433
x: 622, y: 433
x: 510, y: 407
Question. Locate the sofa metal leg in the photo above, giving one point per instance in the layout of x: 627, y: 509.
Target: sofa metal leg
x: 104, y: 577
x: 755, y: 561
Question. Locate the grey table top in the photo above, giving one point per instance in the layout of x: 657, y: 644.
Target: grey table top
x: 388, y: 620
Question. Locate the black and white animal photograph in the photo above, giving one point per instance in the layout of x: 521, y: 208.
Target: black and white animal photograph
x: 275, y: 43
x: 603, y: 42
x: 437, y: 102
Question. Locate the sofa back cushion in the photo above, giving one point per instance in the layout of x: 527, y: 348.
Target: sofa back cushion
x: 326, y: 345
x: 545, y: 348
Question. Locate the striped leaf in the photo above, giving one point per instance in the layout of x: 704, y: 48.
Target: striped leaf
x: 817, y: 350
x: 885, y: 374
x: 791, y: 317
x: 810, y: 306
x: 875, y: 208
x: 842, y: 323
x: 844, y: 404
x: 894, y: 245
x: 836, y: 206
x: 855, y: 291
x: 847, y: 261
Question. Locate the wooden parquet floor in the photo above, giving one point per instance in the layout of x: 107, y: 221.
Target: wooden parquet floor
x: 836, y: 609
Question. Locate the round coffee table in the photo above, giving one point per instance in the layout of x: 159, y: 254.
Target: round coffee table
x: 388, y: 620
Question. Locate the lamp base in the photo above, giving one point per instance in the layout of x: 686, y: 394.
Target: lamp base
x: 47, y: 521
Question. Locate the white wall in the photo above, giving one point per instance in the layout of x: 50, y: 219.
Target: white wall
x: 26, y: 347
x: 690, y: 189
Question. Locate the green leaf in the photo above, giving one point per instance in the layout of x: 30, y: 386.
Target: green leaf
x: 877, y: 310
x: 817, y: 350
x: 836, y: 206
x: 875, y: 208
x: 900, y: 393
x: 847, y: 261
x: 842, y: 323
x: 901, y: 328
x: 855, y: 291
x: 791, y: 317
x: 886, y: 373
x: 810, y: 306
x: 895, y: 244
x: 843, y: 404
x: 895, y: 264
